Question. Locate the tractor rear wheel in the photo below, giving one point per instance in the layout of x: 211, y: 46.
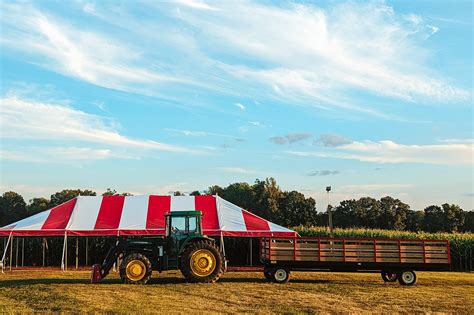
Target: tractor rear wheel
x: 201, y: 262
x: 135, y: 269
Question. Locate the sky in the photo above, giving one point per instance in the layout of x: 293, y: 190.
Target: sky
x: 373, y: 98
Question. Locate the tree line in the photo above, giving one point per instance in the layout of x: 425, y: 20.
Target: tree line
x: 288, y: 208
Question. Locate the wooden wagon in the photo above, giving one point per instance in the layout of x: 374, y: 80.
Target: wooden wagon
x: 396, y: 259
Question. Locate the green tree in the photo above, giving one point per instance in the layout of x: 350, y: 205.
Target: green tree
x: 344, y: 215
x: 266, y: 197
x: 468, y: 221
x: 195, y: 193
x: 433, y: 219
x: 414, y: 221
x: 295, y: 209
x: 393, y: 214
x: 12, y: 208
x: 68, y: 194
x: 113, y: 192
x: 453, y: 218
x: 37, y: 205
x: 214, y: 190
x: 178, y: 193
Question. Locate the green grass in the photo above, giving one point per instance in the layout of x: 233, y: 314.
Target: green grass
x: 46, y: 291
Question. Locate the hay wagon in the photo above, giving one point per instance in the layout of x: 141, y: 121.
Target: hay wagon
x: 396, y: 259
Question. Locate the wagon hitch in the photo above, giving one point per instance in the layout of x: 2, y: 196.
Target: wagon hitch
x: 96, y: 275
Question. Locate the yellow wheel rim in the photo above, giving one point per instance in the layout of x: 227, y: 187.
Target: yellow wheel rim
x: 135, y: 270
x: 203, y: 263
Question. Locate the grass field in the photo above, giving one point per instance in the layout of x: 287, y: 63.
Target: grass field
x: 236, y: 292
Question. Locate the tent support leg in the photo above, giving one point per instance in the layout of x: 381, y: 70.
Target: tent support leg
x: 44, y: 253
x: 250, y: 252
x: 87, y: 249
x: 2, y: 262
x: 222, y: 245
x: 23, y: 252
x: 77, y: 252
x: 16, y: 252
x: 11, y: 252
x: 64, y: 258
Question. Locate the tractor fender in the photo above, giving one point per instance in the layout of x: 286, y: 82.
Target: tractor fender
x: 193, y: 240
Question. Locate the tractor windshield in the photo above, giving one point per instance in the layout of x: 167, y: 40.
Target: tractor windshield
x: 183, y: 224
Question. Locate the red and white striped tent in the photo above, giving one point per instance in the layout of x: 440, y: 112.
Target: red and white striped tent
x: 141, y: 215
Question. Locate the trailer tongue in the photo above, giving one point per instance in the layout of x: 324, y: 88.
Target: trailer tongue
x: 396, y: 259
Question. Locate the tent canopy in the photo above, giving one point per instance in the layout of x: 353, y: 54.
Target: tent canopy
x: 141, y: 215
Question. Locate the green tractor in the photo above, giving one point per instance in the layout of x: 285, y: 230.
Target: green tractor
x: 183, y: 247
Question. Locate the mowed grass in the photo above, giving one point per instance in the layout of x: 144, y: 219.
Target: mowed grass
x: 24, y: 291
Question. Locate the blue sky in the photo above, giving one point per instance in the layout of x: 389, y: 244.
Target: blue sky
x: 373, y: 98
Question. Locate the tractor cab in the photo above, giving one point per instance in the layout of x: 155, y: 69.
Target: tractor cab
x: 183, y: 224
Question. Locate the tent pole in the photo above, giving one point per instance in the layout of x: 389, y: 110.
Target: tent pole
x: 250, y: 253
x: 64, y: 252
x: 44, y: 254
x: 77, y: 252
x: 11, y: 252
x: 23, y: 252
x: 2, y: 262
x: 16, y: 252
x: 87, y: 248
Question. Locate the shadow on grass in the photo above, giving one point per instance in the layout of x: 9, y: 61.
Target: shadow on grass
x: 153, y: 281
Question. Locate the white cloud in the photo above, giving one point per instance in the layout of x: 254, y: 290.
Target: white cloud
x: 199, y: 133
x: 240, y: 106
x: 195, y: 4
x: 434, y: 29
x: 90, y: 56
x: 236, y: 170
x: 24, y: 119
x: 58, y: 154
x: 387, y: 151
x: 305, y: 55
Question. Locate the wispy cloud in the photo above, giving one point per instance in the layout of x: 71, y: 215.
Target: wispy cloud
x: 90, y: 56
x: 25, y: 119
x: 323, y: 173
x: 200, y: 133
x: 236, y: 170
x: 387, y: 151
x: 311, y: 57
x: 332, y: 140
x: 61, y: 154
x: 291, y: 138
x: 240, y: 106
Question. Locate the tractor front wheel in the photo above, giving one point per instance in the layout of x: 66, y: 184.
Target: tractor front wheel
x: 201, y: 262
x: 135, y: 269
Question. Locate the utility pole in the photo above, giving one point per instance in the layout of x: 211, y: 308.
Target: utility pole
x: 328, y: 189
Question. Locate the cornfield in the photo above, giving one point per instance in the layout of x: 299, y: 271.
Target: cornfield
x: 462, y: 244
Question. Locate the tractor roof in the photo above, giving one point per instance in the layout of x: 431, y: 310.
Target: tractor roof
x: 183, y: 213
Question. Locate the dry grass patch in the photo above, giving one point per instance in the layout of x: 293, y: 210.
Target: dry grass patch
x: 236, y: 292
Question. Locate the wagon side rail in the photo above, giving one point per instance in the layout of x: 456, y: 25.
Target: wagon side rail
x: 355, y: 250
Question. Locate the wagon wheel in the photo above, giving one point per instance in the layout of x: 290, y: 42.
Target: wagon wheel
x: 406, y: 277
x: 280, y: 275
x: 267, y: 273
x: 389, y: 276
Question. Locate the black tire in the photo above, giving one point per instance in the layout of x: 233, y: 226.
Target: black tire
x: 280, y: 275
x: 406, y: 277
x: 267, y: 273
x: 189, y: 262
x: 138, y: 259
x: 389, y: 276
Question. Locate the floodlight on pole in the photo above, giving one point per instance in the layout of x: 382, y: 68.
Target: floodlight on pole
x: 328, y: 189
